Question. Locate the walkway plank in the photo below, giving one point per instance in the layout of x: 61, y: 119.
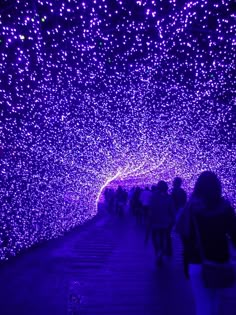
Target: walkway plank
x: 102, y: 269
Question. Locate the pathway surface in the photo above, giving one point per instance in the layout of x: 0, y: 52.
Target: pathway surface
x: 102, y: 268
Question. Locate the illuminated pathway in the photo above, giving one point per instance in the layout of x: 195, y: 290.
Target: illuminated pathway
x: 101, y: 268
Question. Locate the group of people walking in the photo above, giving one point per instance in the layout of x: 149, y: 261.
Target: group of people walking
x: 154, y: 207
x: 205, y: 223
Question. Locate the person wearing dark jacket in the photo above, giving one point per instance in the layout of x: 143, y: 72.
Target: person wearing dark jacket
x: 160, y: 221
x: 178, y: 195
x: 210, y: 217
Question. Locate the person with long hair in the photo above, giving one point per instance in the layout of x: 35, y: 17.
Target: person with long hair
x: 205, y: 226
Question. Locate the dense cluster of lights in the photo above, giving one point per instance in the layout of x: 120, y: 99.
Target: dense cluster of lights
x: 95, y: 92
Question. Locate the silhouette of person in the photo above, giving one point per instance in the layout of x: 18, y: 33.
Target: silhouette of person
x: 209, y: 219
x: 136, y: 204
x: 145, y: 199
x: 178, y: 195
x: 121, y: 199
x: 161, y: 220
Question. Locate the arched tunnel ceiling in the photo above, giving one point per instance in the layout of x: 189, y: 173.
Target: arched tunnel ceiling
x: 103, y: 90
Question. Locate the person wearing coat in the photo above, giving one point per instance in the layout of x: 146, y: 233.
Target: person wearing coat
x: 205, y: 226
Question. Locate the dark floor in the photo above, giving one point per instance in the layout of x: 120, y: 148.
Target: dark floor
x: 102, y: 268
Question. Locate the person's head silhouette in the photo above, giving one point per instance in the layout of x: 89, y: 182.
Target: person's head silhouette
x: 177, y: 182
x: 208, y: 188
x: 162, y: 186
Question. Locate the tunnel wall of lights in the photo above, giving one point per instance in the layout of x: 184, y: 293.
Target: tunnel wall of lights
x: 97, y: 92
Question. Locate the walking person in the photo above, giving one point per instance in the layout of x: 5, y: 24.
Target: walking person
x: 145, y: 199
x: 121, y: 199
x: 161, y: 220
x: 204, y: 227
x: 130, y: 199
x: 178, y: 195
x: 136, y: 204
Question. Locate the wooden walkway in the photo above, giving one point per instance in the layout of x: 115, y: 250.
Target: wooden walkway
x: 102, y: 268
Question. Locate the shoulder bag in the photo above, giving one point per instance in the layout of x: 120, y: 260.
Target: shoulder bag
x: 215, y: 275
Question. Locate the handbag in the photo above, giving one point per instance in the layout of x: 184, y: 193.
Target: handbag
x: 214, y: 274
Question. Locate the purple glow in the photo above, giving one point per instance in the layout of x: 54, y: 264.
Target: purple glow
x: 94, y: 95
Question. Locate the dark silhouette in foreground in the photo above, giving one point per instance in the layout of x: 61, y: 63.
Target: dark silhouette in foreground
x: 204, y: 226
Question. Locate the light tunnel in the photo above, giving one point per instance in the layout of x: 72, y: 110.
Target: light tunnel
x: 94, y: 93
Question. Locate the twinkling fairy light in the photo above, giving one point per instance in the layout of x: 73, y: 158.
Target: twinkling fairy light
x: 97, y: 92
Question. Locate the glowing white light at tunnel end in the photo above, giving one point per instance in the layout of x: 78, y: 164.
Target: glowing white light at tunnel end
x: 109, y: 180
